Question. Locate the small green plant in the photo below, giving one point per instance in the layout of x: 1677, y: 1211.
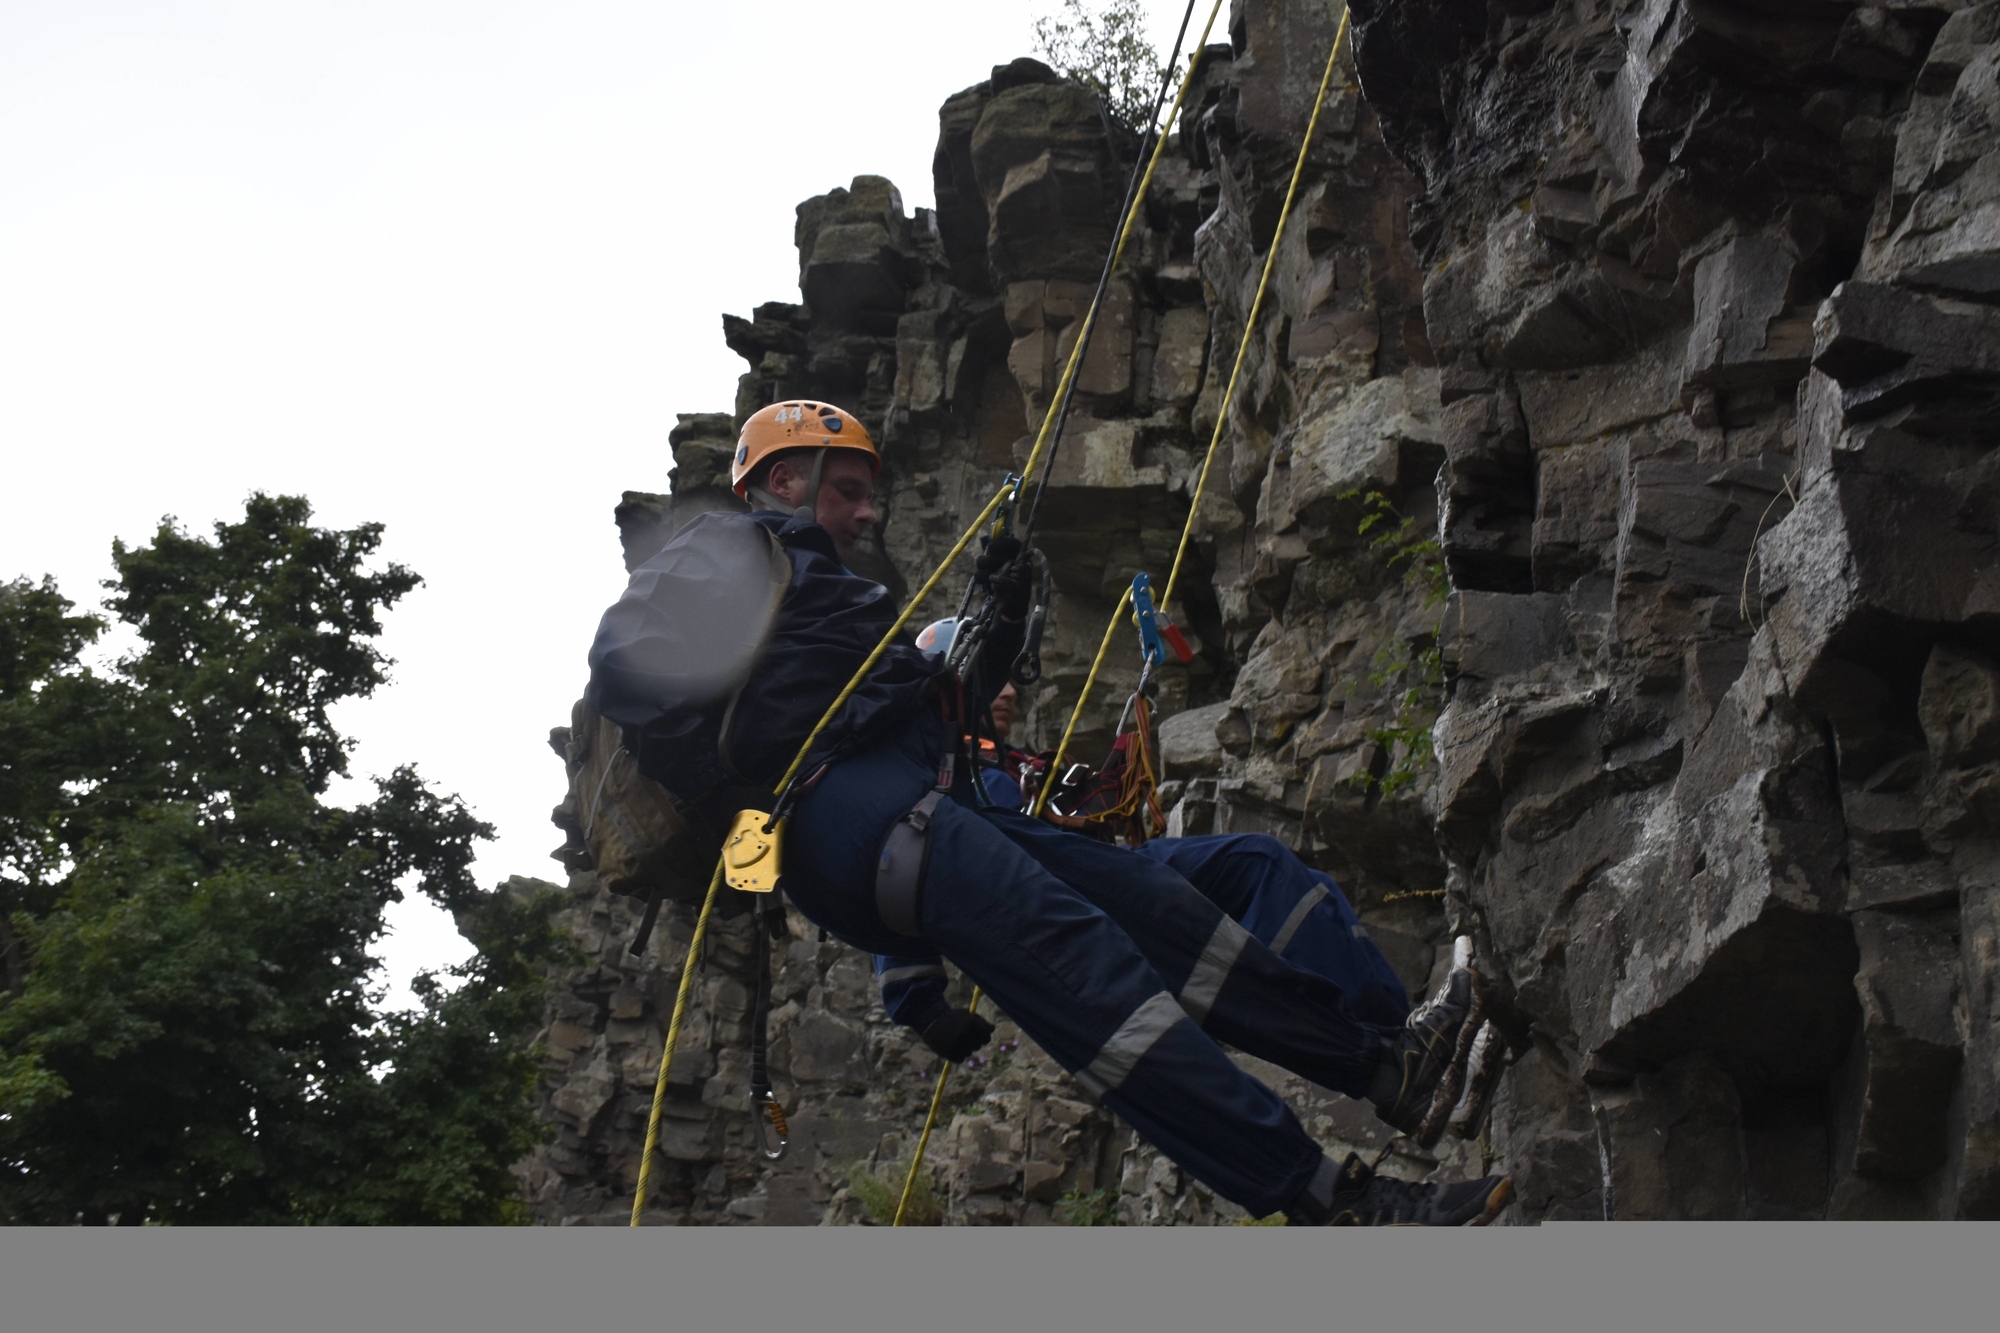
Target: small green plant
x: 1414, y: 675
x: 879, y: 1193
x: 1106, y: 50
x: 1098, y: 1208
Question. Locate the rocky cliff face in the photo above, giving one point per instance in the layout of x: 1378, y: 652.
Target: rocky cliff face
x: 1671, y: 319
x: 1708, y: 286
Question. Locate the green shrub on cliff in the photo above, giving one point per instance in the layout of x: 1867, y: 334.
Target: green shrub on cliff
x: 187, y: 1033
x: 1106, y: 50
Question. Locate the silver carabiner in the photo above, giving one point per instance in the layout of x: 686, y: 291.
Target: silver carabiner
x: 761, y: 1105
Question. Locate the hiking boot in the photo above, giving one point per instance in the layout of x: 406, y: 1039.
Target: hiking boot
x: 1421, y: 1053
x: 1358, y: 1197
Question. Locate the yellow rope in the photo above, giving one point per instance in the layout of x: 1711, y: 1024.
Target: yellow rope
x: 1035, y: 456
x: 930, y: 1121
x: 1041, y: 439
x: 1083, y: 697
x: 673, y: 1040
x: 1256, y: 308
x: 1117, y: 252
x: 1221, y: 420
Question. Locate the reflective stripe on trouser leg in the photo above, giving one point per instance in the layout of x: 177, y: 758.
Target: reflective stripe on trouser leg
x: 1298, y: 918
x: 1218, y: 956
x: 1259, y: 881
x: 1266, y: 1007
x: 1081, y: 988
x: 1122, y: 1051
x: 1324, y: 1181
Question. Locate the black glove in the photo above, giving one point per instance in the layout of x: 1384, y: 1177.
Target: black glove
x: 1008, y: 569
x: 999, y: 553
x: 957, y: 1033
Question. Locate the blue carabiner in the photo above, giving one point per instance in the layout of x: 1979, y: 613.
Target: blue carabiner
x: 1003, y: 521
x: 1150, y: 644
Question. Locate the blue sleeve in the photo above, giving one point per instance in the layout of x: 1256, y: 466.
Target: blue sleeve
x: 912, y: 989
x: 1001, y: 787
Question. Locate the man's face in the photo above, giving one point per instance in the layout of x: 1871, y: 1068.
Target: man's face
x: 846, y: 489
x: 1003, y: 710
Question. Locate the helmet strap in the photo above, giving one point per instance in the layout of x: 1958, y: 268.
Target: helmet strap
x: 805, y: 513
x: 809, y: 511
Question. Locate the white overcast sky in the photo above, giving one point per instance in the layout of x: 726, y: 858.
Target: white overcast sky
x: 452, y: 267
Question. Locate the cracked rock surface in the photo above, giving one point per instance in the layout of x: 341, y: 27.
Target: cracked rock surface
x: 1675, y: 323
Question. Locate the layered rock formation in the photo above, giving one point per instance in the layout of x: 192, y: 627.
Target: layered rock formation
x: 1708, y: 286
x: 1671, y: 320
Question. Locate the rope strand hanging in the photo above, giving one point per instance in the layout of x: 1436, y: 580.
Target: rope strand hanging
x: 1135, y: 190
x: 1049, y: 431
x: 1194, y: 507
x: 1221, y: 416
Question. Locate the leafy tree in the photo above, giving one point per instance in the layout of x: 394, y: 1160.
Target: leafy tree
x: 1106, y: 50
x: 187, y: 1027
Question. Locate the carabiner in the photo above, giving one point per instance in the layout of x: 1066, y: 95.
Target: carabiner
x: 1150, y: 648
x: 765, y: 1103
x: 1003, y: 521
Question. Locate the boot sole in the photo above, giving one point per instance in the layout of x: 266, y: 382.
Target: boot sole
x: 1502, y: 1195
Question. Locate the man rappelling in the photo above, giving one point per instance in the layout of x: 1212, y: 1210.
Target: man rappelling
x: 1110, y: 961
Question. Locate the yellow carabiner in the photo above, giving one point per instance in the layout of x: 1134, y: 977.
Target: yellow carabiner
x: 751, y: 855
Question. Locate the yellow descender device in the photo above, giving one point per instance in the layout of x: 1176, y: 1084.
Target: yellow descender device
x: 751, y: 853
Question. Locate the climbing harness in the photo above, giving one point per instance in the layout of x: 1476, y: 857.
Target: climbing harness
x: 1120, y: 797
x: 906, y: 857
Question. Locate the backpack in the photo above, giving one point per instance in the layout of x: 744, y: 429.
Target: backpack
x: 634, y: 833
x: 642, y: 839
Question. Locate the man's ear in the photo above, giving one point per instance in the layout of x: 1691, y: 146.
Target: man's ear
x: 781, y: 478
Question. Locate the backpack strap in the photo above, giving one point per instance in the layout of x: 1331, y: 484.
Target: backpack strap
x: 781, y: 582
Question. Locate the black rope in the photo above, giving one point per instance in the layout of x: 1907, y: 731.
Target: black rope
x: 760, y: 1023
x: 1104, y: 278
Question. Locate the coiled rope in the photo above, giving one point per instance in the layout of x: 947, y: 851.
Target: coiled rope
x: 1194, y: 507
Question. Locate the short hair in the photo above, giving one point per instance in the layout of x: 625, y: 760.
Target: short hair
x: 760, y: 476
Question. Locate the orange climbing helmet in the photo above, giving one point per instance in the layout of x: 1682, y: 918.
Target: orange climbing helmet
x: 797, y: 423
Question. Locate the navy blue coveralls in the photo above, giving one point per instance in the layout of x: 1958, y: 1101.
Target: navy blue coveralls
x: 1111, y: 962
x: 1299, y: 913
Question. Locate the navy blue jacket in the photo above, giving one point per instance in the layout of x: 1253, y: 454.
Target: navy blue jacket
x: 712, y: 575
x: 673, y: 662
